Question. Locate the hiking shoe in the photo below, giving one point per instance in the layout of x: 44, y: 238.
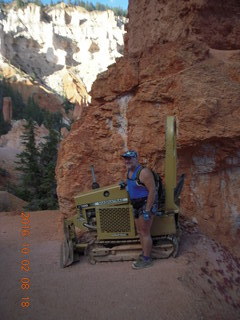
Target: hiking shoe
x: 141, y: 263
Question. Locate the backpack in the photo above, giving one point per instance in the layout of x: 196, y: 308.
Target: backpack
x: 160, y: 188
x: 158, y: 183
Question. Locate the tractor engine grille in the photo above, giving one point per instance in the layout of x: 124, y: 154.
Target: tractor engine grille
x: 114, y: 219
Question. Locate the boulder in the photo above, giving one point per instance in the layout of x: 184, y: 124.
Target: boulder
x: 9, y: 202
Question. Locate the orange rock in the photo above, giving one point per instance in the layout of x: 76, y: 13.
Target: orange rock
x: 175, y: 63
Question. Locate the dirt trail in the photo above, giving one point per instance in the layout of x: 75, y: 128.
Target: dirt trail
x: 202, y: 283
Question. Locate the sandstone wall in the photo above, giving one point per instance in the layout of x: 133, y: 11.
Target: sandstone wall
x: 181, y: 58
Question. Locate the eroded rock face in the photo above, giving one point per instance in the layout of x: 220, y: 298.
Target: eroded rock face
x: 43, y: 41
x: 181, y: 58
x: 28, y: 88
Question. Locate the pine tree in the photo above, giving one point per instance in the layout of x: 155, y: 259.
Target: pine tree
x: 38, y: 185
x: 29, y: 165
x: 48, y: 159
x: 20, y: 3
x: 33, y: 111
x: 37, y: 2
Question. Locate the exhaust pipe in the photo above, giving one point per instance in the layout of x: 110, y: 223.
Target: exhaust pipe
x: 95, y: 185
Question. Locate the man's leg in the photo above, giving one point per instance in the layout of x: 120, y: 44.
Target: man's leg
x: 143, y: 228
x: 145, y: 235
x: 138, y: 228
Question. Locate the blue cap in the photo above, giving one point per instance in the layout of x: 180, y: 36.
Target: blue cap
x: 130, y: 154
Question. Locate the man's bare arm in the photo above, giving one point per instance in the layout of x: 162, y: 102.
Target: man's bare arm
x: 147, y: 178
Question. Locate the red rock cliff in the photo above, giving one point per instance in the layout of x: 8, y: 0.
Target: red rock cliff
x: 181, y: 58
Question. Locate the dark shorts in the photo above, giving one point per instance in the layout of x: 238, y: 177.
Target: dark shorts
x: 139, y: 205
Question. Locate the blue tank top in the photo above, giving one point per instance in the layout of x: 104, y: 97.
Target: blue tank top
x: 135, y: 190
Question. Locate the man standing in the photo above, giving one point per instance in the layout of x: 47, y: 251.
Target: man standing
x: 142, y: 192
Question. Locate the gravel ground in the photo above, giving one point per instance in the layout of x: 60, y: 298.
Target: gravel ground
x: 203, y: 282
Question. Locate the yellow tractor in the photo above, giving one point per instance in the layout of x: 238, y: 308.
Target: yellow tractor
x: 103, y: 228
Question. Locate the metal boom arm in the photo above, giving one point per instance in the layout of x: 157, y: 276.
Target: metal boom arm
x: 170, y: 164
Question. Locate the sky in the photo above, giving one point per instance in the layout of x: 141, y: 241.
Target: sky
x: 123, y: 4
x: 113, y: 3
